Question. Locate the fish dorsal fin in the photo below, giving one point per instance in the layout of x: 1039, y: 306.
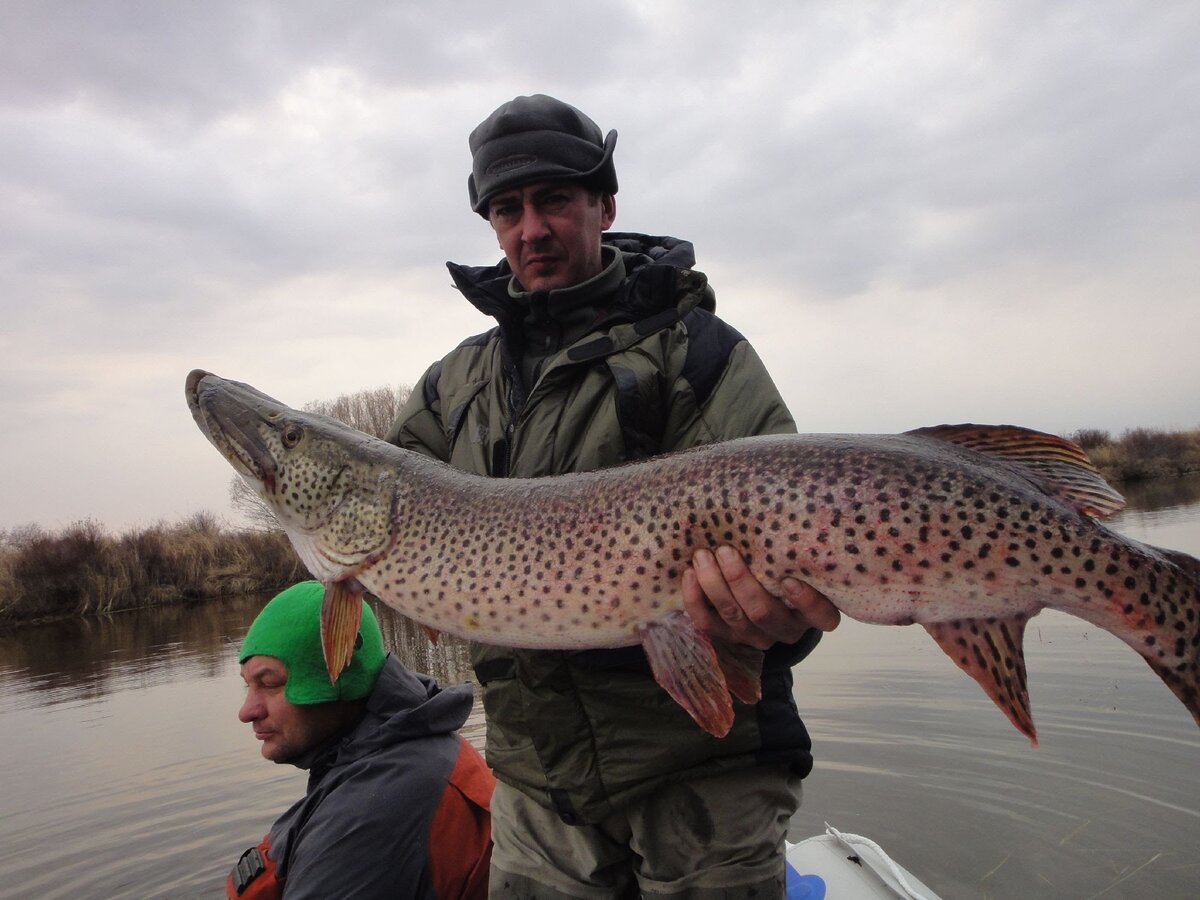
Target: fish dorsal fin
x: 1058, y: 466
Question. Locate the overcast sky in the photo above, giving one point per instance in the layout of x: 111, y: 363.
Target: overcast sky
x: 918, y: 213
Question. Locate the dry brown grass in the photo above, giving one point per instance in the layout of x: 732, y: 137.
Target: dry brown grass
x: 1142, y: 453
x: 83, y: 569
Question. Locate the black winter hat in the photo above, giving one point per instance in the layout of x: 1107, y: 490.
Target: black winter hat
x: 537, y: 138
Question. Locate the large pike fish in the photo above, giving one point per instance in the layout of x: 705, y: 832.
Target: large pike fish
x: 968, y: 530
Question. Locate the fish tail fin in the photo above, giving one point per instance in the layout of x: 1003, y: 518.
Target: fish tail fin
x: 1175, y: 654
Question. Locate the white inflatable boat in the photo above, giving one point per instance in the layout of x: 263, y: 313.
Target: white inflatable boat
x: 839, y: 866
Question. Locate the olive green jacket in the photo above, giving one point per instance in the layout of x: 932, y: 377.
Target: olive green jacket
x: 652, y: 370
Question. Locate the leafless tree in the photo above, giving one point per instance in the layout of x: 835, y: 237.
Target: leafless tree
x: 371, y: 410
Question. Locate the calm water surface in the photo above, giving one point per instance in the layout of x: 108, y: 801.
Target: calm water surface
x: 125, y: 773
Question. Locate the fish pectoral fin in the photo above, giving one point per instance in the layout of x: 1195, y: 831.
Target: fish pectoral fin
x: 686, y: 666
x: 341, y: 614
x: 742, y: 666
x: 432, y: 633
x: 989, y: 650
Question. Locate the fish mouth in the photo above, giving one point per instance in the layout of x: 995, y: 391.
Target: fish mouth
x: 229, y: 421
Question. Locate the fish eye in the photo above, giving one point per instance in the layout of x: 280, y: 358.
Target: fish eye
x: 291, y: 435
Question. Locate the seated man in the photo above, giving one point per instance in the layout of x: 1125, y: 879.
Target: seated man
x: 397, y: 802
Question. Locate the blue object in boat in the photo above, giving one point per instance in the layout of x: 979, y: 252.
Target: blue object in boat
x: 804, y: 887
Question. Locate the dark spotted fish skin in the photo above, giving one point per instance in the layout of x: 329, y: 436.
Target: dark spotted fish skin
x: 855, y: 517
x: 967, y: 530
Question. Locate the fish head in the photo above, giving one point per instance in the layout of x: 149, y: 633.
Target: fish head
x: 331, y: 487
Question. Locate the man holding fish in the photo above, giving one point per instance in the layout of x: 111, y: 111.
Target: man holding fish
x: 607, y: 351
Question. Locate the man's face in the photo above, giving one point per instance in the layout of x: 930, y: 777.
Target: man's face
x: 287, y: 730
x: 550, y: 232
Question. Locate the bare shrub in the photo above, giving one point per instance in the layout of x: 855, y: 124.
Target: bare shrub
x: 1151, y: 454
x: 1142, y: 453
x: 83, y: 570
x: 1091, y: 438
x: 273, y: 557
x: 253, y: 511
x: 53, y: 572
x: 372, y: 410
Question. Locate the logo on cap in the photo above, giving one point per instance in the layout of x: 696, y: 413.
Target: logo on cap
x: 511, y: 162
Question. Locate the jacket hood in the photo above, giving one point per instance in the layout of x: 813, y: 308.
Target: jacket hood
x: 644, y: 249
x: 405, y: 705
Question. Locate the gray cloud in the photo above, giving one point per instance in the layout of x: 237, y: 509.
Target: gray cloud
x: 988, y: 210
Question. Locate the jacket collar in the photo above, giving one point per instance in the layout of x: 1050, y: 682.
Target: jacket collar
x: 404, y: 705
x: 643, y: 256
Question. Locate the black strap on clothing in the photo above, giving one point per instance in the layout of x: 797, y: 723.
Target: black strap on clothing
x: 498, y: 667
x: 641, y: 412
x: 248, y: 867
x: 710, y: 343
x: 429, y: 388
x: 601, y: 346
x: 561, y: 800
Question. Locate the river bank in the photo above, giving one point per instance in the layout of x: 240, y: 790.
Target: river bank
x: 84, y: 570
x: 1141, y: 454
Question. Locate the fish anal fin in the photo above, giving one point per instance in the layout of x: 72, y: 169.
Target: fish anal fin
x: 742, y: 667
x: 341, y: 614
x: 686, y: 666
x: 989, y: 650
x: 1058, y: 466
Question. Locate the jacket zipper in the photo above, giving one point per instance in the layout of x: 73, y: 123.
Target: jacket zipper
x: 502, y: 450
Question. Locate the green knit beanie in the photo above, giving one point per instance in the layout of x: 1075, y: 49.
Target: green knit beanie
x: 289, y: 629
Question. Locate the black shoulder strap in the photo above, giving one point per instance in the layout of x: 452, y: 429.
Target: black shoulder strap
x: 710, y: 344
x: 641, y: 412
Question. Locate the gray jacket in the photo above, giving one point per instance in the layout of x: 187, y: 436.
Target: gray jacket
x: 364, y: 827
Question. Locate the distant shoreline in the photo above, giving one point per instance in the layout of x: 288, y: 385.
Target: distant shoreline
x: 1141, y: 454
x: 82, y: 570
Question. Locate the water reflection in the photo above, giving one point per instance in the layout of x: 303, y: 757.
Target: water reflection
x: 1162, y: 512
x: 84, y: 659
x: 1161, y: 493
